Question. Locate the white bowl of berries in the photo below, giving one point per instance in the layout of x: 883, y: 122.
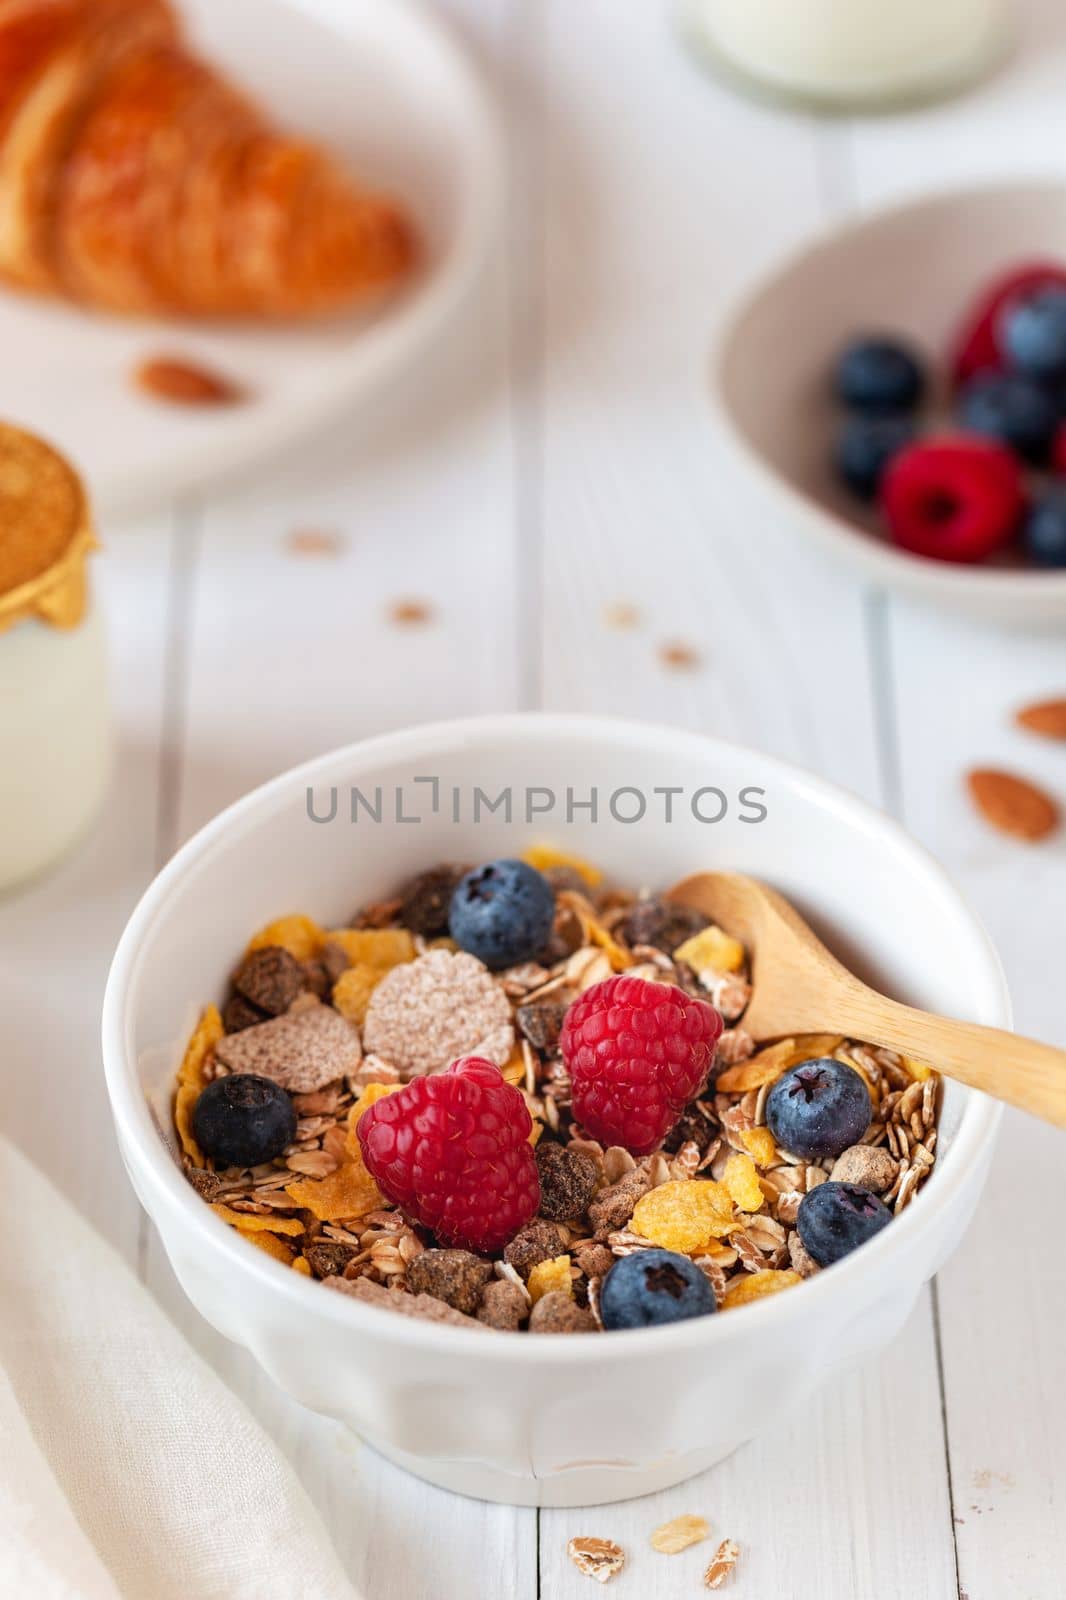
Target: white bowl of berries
x: 450, y: 1118
x: 899, y: 387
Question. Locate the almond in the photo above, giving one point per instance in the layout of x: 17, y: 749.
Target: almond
x: 184, y: 384
x: 1012, y: 804
x: 1046, y: 717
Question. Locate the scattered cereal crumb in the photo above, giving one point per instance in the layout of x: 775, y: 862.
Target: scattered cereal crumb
x: 678, y: 1534
x: 314, y: 542
x: 410, y: 613
x: 597, y: 1558
x: 722, y: 1565
x: 425, y: 1013
x: 301, y: 1050
x: 622, y: 615
x: 679, y: 656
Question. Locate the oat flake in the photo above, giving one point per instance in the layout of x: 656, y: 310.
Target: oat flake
x: 596, y: 1558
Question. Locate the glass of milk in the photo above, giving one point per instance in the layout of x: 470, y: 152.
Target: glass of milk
x: 54, y: 724
x: 852, y: 54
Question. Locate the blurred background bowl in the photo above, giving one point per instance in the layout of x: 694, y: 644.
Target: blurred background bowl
x: 913, y: 270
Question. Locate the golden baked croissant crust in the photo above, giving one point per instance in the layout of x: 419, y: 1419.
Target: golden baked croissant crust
x: 134, y: 177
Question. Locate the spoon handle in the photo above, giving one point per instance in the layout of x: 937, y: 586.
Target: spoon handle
x: 1020, y: 1071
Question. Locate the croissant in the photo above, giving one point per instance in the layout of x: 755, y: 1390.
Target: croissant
x: 134, y: 178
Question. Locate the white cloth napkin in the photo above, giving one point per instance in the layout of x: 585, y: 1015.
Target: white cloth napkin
x: 128, y: 1471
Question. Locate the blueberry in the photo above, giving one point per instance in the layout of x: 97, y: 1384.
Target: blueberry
x: 1044, y: 531
x: 865, y: 446
x: 502, y: 913
x: 651, y: 1287
x: 242, y: 1120
x: 1012, y: 409
x: 879, y: 376
x: 834, y: 1219
x: 1033, y: 334
x: 819, y: 1109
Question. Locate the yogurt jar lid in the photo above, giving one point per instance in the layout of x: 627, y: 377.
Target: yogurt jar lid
x: 46, y: 533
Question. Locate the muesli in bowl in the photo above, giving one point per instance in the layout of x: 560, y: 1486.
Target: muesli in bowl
x: 519, y: 1097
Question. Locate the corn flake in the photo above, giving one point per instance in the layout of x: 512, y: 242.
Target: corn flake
x: 544, y: 856
x: 742, y: 1181
x: 352, y: 991
x: 712, y: 950
x: 249, y: 1223
x: 348, y: 1192
x: 299, y: 935
x: 593, y: 931
x: 271, y: 1244
x: 374, y: 947
x: 684, y: 1216
x: 371, y: 1093
x: 769, y: 1064
x: 184, y: 1101
x: 917, y: 1069
x: 549, y: 1275
x: 760, y: 1145
x: 757, y: 1285
x: 205, y: 1036
x: 302, y: 1266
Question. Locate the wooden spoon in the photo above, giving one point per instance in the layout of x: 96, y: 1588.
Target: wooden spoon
x: 798, y: 987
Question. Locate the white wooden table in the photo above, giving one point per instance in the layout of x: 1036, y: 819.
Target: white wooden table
x: 554, y: 458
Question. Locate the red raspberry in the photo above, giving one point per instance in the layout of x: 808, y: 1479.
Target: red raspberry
x: 453, y: 1152
x: 977, y: 348
x: 637, y: 1053
x: 954, y: 499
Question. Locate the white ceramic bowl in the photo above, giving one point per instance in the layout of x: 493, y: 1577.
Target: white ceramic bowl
x: 565, y: 1419
x: 914, y: 269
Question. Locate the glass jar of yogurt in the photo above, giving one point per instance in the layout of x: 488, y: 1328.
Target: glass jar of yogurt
x: 54, y: 723
x: 851, y: 54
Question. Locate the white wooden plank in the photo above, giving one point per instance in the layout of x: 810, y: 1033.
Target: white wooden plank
x: 1001, y: 1298
x: 57, y: 934
x: 666, y: 193
x: 689, y: 190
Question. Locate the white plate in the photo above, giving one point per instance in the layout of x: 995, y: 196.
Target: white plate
x: 914, y: 269
x: 380, y: 82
